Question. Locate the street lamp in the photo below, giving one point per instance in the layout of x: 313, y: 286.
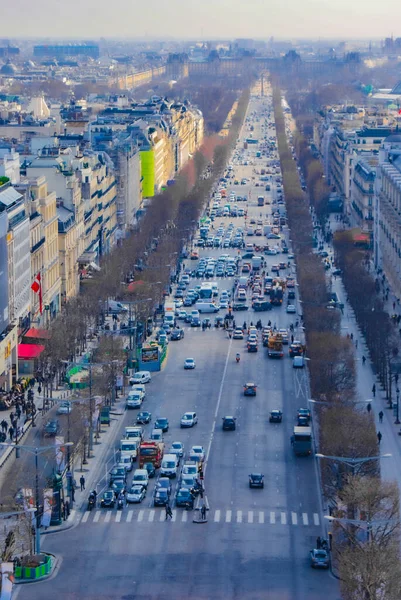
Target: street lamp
x: 352, y: 461
x: 361, y: 522
x: 36, y: 451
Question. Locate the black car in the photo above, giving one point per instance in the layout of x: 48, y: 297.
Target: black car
x: 229, y: 424
x: 161, y: 423
x: 177, y: 334
x: 51, y: 428
x: 179, y: 294
x: 118, y: 486
x: 240, y: 306
x: 256, y: 480
x: 184, y: 498
x: 108, y: 500
x: 164, y: 483
x: 144, y: 417
x: 150, y: 467
x: 117, y: 473
x: 276, y: 416
x: 161, y: 498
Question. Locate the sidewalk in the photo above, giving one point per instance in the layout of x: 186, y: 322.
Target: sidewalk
x: 366, y: 378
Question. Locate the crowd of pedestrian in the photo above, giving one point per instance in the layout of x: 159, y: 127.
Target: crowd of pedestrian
x: 21, y: 399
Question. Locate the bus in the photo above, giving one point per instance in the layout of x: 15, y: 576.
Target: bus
x: 206, y: 291
x: 261, y: 201
x: 301, y: 441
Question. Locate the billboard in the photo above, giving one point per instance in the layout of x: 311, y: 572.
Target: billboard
x: 150, y: 354
x: 3, y: 272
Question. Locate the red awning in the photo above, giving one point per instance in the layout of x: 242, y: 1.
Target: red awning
x: 41, y: 334
x: 29, y: 351
x: 362, y: 237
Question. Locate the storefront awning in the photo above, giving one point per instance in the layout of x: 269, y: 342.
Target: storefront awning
x: 40, y: 334
x: 86, y: 258
x: 29, y: 351
x: 94, y: 266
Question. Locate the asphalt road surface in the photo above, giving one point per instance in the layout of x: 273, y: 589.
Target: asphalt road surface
x: 256, y: 542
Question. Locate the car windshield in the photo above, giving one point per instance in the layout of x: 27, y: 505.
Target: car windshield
x: 320, y: 555
x: 186, y: 418
x: 176, y: 445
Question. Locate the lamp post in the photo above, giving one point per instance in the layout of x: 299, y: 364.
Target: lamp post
x: 397, y: 417
x: 352, y: 461
x: 35, y: 450
x: 361, y: 523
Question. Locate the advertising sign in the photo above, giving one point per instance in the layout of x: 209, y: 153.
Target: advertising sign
x: 150, y: 354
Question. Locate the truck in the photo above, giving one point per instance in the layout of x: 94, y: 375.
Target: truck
x: 276, y: 295
x: 301, y: 441
x: 256, y: 262
x: 261, y: 201
x: 169, y: 308
x: 151, y: 451
x: 275, y: 346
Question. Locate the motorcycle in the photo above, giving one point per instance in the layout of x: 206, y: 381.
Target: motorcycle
x: 120, y: 504
x: 238, y: 358
x: 91, y: 502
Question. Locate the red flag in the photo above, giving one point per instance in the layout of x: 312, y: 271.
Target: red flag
x: 399, y: 111
x: 36, y: 287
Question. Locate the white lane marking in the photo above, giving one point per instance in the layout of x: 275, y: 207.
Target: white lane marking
x: 283, y: 518
x: 97, y: 516
x: 239, y: 516
x: 173, y: 518
x: 118, y: 516
x: 184, y: 517
x: 162, y: 516
x: 305, y: 519
x: 140, y: 516
x: 316, y: 519
x: 107, y: 517
x: 250, y: 516
x: 261, y: 517
x: 73, y: 513
x: 272, y: 517
x: 85, y: 517
x: 294, y: 518
x: 218, y: 404
x: 228, y: 516
x: 130, y: 515
x: 216, y: 516
x: 151, y: 516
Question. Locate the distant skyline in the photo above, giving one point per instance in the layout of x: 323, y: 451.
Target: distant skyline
x: 207, y: 19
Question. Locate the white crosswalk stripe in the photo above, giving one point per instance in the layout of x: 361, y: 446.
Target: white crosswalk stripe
x: 250, y: 517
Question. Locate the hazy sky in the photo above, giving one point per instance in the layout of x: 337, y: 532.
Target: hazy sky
x: 201, y: 19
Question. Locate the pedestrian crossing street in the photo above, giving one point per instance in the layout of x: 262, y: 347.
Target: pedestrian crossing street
x: 246, y: 517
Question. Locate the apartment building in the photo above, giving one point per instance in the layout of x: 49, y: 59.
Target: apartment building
x: 387, y: 246
x: 363, y: 190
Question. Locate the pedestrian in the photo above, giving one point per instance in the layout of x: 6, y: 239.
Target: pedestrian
x: 363, y: 359
x: 292, y: 338
x: 369, y: 407
x: 169, y: 512
x: 11, y: 432
x: 374, y: 390
x: 381, y: 415
x: 203, y: 512
x: 379, y: 437
x: 356, y: 344
x: 352, y: 336
x: 318, y: 542
x: 82, y: 482
x: 39, y: 389
x: 18, y: 412
x: 4, y: 425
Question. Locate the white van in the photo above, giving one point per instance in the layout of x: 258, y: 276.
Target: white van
x: 206, y: 307
x: 129, y: 448
x: 134, y: 433
x: 169, y: 465
x: 157, y: 435
x: 140, y: 377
